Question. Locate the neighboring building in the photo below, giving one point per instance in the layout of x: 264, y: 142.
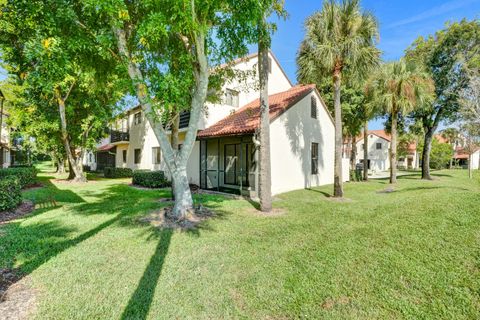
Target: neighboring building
x: 224, y: 156
x: 461, y: 158
x: 5, y: 145
x: 460, y: 155
x: 379, y: 152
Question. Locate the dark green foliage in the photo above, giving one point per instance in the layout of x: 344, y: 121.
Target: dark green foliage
x: 26, y: 175
x: 110, y: 172
x: 150, y: 179
x: 10, y: 193
x: 440, y: 154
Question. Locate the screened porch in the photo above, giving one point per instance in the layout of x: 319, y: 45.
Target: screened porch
x: 229, y: 164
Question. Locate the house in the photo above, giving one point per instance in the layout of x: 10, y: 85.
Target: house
x: 225, y: 155
x: 460, y: 151
x: 5, y: 145
x: 379, y: 143
x: 461, y: 157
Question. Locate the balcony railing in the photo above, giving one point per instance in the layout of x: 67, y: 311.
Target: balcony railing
x: 119, y: 136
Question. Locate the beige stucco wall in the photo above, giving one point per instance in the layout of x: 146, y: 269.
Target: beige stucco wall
x: 379, y: 159
x: 291, y: 137
x: 248, y: 89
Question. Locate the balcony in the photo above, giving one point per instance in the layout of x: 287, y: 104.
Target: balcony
x: 118, y: 137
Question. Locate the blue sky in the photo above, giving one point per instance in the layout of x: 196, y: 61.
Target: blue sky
x: 401, y: 22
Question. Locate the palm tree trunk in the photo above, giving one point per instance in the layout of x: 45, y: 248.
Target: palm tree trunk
x: 365, y: 151
x: 353, y: 153
x: 427, y: 146
x: 393, y: 150
x: 265, y: 180
x: 338, y: 181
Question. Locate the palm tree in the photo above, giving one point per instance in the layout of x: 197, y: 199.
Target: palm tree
x: 339, y: 42
x: 400, y: 87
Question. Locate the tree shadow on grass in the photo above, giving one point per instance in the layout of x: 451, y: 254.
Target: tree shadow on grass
x: 326, y: 194
x: 420, y: 188
x: 30, y: 245
x: 141, y: 300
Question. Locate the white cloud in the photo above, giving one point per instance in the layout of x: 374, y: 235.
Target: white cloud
x: 436, y: 11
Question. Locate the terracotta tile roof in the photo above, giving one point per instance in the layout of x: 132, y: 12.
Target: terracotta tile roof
x: 105, y: 147
x: 247, y: 119
x: 441, y: 139
x: 378, y: 133
x: 461, y: 153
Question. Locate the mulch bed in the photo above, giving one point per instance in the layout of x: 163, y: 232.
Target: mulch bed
x: 163, y: 219
x: 23, y: 209
x: 17, y: 300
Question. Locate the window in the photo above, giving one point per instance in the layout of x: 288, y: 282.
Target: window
x: 137, y: 118
x: 124, y: 156
x: 313, y: 108
x: 379, y: 146
x: 138, y: 156
x: 363, y: 146
x: 156, y: 155
x: 314, y: 158
x: 90, y: 157
x: 231, y: 98
x: 269, y: 65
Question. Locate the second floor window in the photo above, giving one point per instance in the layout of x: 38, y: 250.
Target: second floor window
x: 313, y: 108
x: 138, y: 156
x: 379, y: 146
x: 137, y: 118
x: 314, y: 155
x: 231, y: 98
x: 156, y: 155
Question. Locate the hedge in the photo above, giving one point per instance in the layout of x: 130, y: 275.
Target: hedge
x: 110, y: 172
x: 150, y: 179
x: 26, y: 175
x: 10, y: 193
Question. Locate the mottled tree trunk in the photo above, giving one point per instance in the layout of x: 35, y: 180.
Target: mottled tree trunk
x: 174, y: 141
x: 60, y: 166
x: 365, y: 151
x: 176, y: 161
x: 76, y: 165
x: 427, y: 146
x: 393, y: 150
x: 338, y: 180
x: 265, y: 180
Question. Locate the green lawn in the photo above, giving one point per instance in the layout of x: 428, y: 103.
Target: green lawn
x: 414, y: 253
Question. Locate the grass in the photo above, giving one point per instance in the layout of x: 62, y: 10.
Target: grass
x: 413, y: 253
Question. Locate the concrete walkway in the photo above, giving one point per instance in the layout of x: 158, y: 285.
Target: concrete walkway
x: 386, y: 174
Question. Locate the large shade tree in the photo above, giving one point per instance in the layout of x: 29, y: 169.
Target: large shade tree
x: 446, y: 56
x: 400, y: 88
x: 340, y: 44
x: 60, y: 67
x: 146, y: 34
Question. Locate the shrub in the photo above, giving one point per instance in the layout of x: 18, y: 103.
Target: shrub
x: 26, y: 175
x: 10, y: 193
x: 113, y: 173
x: 150, y: 179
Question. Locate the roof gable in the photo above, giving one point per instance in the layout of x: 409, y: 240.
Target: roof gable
x: 247, y: 119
